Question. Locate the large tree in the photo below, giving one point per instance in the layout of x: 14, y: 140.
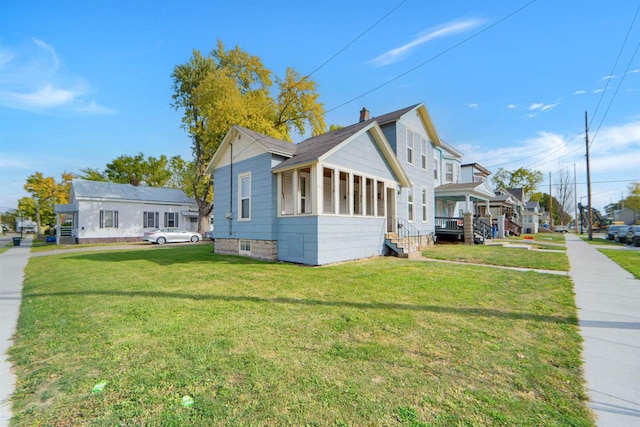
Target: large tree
x: 45, y: 193
x: 137, y: 170
x: 564, y: 195
x: 232, y: 87
x: 519, y: 178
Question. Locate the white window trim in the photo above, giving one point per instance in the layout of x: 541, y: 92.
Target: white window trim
x: 240, y: 178
x: 240, y: 250
x: 425, y: 149
x: 410, y: 147
x: 424, y: 205
x: 411, y: 193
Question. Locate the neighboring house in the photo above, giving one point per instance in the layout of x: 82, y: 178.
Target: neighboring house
x: 334, y: 197
x: 107, y: 212
x: 531, y: 217
x: 26, y: 226
x: 508, y: 204
x: 460, y: 189
x: 626, y: 215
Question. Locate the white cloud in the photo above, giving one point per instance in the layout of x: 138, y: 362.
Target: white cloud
x: 608, y: 77
x: 394, y: 55
x: 598, y: 90
x: 34, y: 79
x: 580, y: 92
x: 473, y: 106
x: 539, y: 106
x: 512, y: 107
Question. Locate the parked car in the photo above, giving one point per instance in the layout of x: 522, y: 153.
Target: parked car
x: 612, y: 231
x: 208, y: 235
x: 170, y: 235
x: 633, y: 235
x: 621, y: 235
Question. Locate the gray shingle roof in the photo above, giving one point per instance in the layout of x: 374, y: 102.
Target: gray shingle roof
x: 270, y: 143
x: 109, y: 190
x: 313, y: 148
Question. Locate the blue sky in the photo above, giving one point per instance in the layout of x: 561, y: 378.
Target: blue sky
x: 83, y: 82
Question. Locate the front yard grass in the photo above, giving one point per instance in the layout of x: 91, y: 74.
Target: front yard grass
x: 375, y: 342
x: 629, y: 260
x: 499, y: 255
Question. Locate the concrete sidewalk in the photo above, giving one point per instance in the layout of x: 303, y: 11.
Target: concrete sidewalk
x: 608, y: 300
x: 12, y: 264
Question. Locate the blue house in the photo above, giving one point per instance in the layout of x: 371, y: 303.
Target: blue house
x: 360, y: 191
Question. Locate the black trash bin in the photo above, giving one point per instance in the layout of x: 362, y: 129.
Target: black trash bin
x: 16, y: 241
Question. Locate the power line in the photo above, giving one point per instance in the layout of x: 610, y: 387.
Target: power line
x: 438, y: 55
x: 615, y: 93
x: 615, y: 65
x: 356, y: 39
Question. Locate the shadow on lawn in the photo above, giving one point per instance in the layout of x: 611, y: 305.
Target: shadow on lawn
x: 166, y: 255
x: 470, y: 311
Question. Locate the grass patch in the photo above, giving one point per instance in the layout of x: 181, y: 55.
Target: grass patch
x: 600, y: 241
x: 629, y: 260
x: 542, y: 237
x: 40, y: 245
x: 375, y: 342
x: 499, y: 255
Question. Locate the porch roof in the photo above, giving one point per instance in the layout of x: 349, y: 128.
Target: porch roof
x: 60, y: 209
x: 477, y: 190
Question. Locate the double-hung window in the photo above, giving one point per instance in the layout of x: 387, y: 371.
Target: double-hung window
x: 150, y: 220
x: 410, y: 210
x: 244, y: 196
x: 108, y: 219
x: 409, y: 147
x: 424, y: 203
x: 449, y: 173
x: 171, y: 219
x: 423, y: 158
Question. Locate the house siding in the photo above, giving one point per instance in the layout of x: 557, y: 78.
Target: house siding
x: 130, y: 220
x: 397, y: 132
x: 261, y: 226
x: 363, y: 156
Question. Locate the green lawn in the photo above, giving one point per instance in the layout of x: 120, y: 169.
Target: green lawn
x: 600, y: 241
x: 499, y: 255
x: 375, y: 342
x: 629, y: 260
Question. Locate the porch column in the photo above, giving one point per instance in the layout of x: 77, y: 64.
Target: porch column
x: 467, y: 199
x: 468, y: 228
x: 57, y: 228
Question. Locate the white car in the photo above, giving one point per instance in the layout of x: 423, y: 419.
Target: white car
x: 171, y: 235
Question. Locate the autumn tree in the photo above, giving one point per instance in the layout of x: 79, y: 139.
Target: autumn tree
x: 633, y: 199
x: 232, y: 87
x: 137, y: 170
x: 45, y: 193
x: 519, y: 178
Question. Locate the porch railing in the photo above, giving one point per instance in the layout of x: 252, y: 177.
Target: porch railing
x: 66, y: 231
x: 482, y: 228
x: 447, y: 224
x: 513, y: 228
x: 408, y: 235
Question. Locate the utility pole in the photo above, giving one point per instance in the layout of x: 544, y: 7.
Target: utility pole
x: 550, y: 205
x: 586, y: 132
x: 575, y: 199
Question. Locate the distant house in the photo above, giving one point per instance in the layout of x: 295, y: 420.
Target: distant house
x: 365, y: 189
x: 26, y: 225
x: 101, y: 212
x: 531, y: 217
x: 507, y: 208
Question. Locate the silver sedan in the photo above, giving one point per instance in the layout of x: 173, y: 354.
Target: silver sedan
x: 171, y: 235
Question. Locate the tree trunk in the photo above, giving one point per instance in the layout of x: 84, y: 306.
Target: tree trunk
x: 38, y: 227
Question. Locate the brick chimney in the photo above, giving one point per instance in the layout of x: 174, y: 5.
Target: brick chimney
x: 364, y: 114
